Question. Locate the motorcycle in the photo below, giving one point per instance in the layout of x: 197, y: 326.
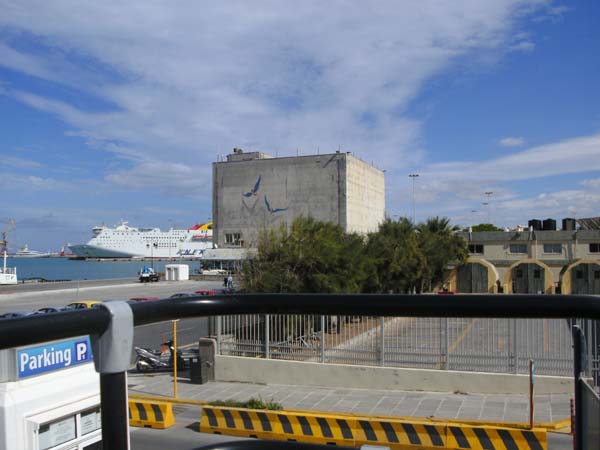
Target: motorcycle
x: 153, y: 361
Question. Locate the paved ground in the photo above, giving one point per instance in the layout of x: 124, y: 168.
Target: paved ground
x: 504, y: 408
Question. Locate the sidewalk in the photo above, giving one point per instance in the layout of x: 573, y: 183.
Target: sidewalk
x: 493, y: 408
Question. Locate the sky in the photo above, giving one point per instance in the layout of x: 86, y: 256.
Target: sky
x: 116, y: 110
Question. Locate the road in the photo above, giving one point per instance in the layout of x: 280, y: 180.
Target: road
x: 59, y: 294
x: 178, y: 438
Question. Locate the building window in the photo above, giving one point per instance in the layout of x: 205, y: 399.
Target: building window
x: 553, y: 248
x: 537, y: 273
x: 519, y: 273
x: 476, y: 249
x: 595, y: 247
x: 579, y: 274
x: 233, y: 238
x: 517, y: 248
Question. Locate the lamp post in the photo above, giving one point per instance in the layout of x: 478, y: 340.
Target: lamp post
x: 413, y: 176
x: 152, y: 247
x: 488, y: 194
x: 473, y: 212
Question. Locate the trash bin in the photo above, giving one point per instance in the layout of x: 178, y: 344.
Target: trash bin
x: 198, y: 371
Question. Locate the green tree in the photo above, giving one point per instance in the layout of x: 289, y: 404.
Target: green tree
x: 310, y: 256
x: 440, y: 244
x: 485, y: 227
x: 393, y: 259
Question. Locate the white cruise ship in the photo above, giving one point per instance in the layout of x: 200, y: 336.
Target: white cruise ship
x: 124, y: 241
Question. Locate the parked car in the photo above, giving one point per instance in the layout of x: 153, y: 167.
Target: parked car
x: 14, y: 314
x: 83, y: 304
x: 224, y: 291
x: 143, y: 299
x: 207, y: 292
x: 51, y: 309
x: 182, y: 295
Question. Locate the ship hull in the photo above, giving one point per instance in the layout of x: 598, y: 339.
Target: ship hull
x: 92, y: 251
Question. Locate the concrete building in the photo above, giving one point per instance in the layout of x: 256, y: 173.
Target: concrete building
x: 254, y: 191
x: 540, y: 261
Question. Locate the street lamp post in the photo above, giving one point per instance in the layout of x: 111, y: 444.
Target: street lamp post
x: 413, y: 176
x: 152, y: 247
x: 488, y: 194
x: 473, y: 212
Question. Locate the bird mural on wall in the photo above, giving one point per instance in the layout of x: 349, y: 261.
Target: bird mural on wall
x: 273, y: 210
x: 254, y: 190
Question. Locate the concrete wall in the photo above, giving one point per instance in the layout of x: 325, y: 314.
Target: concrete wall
x: 317, y: 186
x: 268, y: 371
x: 365, y: 186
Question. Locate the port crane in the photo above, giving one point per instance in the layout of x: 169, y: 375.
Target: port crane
x: 10, y: 225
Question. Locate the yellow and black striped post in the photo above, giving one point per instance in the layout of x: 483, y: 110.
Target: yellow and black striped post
x: 151, y: 414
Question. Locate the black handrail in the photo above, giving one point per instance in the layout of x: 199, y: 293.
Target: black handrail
x: 42, y: 328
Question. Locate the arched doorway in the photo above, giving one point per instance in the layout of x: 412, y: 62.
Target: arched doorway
x: 529, y: 276
x: 582, y: 277
x: 476, y: 276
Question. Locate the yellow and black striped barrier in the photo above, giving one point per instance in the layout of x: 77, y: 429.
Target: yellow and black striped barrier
x: 151, y: 414
x: 483, y: 438
x: 355, y: 431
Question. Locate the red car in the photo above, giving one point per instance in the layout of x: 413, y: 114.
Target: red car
x: 207, y: 292
x: 143, y: 299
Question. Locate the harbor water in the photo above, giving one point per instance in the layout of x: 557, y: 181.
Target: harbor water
x: 67, y: 269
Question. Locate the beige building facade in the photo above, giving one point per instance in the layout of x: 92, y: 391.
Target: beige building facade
x: 254, y: 191
x: 541, y: 261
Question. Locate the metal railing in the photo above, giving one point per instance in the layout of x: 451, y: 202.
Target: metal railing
x: 113, y: 388
x: 467, y: 344
x: 591, y: 417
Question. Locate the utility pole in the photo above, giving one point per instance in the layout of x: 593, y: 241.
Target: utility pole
x: 413, y: 176
x: 488, y: 194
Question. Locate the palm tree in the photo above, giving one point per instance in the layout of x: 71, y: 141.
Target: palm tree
x: 441, y: 245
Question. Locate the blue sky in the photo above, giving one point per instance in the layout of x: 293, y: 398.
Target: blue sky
x: 116, y: 111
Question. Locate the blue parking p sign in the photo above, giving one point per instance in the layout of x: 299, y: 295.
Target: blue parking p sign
x: 54, y: 356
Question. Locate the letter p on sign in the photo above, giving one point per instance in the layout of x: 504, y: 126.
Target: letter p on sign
x: 81, y: 349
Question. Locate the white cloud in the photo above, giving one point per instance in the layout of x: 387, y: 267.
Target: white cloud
x: 173, y: 88
x: 201, y: 79
x: 575, y: 155
x: 174, y: 178
x: 553, y: 204
x: 457, y: 188
x: 20, y: 163
x: 523, y: 46
x: 10, y: 181
x: 511, y: 141
x: 593, y: 183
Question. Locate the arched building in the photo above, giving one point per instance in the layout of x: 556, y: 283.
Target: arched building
x: 540, y: 261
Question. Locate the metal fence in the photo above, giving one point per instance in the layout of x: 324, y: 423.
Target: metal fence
x: 484, y: 345
x: 591, y: 417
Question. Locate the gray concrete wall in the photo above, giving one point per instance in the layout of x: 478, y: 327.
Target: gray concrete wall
x: 268, y: 371
x: 310, y: 186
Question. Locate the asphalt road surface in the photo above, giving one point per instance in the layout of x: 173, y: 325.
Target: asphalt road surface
x: 152, y: 335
